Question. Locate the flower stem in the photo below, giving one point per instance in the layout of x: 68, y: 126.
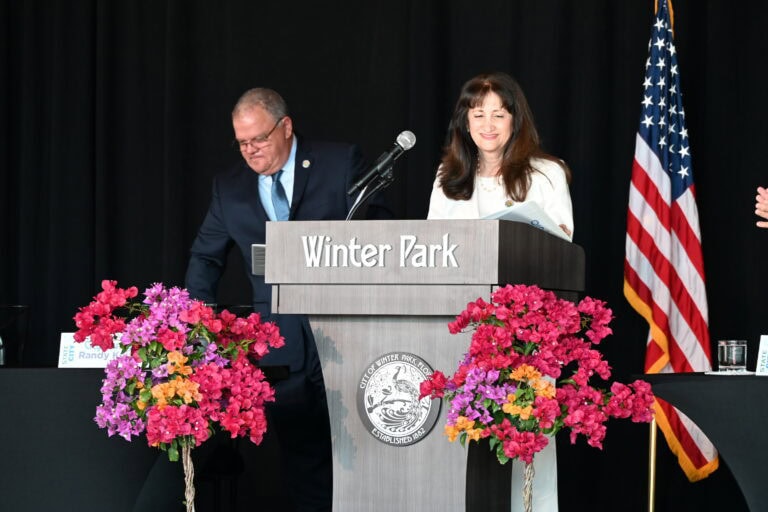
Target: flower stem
x: 528, y: 487
x: 189, y: 476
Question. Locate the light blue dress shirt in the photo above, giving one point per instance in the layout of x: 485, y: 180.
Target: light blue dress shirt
x: 265, y: 183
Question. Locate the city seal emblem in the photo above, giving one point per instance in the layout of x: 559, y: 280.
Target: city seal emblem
x: 388, y: 399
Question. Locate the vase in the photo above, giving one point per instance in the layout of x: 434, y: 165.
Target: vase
x: 488, y: 482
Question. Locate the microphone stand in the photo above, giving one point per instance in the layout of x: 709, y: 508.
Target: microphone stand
x: 380, y: 182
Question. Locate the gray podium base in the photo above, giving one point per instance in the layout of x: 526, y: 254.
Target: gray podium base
x: 369, y: 474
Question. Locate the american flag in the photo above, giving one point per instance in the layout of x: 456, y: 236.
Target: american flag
x: 663, y: 266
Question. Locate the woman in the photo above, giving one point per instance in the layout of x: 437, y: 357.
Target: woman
x: 492, y: 161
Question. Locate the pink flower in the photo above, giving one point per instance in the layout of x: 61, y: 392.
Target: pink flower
x: 184, y: 367
x: 113, y: 296
x: 434, y: 386
x: 95, y: 319
x: 634, y: 401
x: 195, y: 313
x: 516, y: 444
x: 525, y: 325
x: 235, y: 397
x: 166, y: 424
x: 171, y: 340
x: 546, y: 410
x: 589, y: 421
x: 261, y: 336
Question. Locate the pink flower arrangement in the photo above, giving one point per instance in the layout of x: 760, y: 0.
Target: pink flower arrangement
x: 510, y: 386
x: 183, y: 369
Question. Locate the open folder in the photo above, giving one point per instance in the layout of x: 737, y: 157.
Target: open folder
x: 531, y: 213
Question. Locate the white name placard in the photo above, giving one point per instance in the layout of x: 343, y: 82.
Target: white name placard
x: 761, y: 367
x: 83, y: 355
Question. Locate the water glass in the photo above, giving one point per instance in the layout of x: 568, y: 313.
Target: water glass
x: 732, y: 355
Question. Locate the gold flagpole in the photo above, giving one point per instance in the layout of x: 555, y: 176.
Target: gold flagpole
x: 652, y: 466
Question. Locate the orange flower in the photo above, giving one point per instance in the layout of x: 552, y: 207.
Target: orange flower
x: 187, y: 390
x: 176, y: 364
x: 474, y: 434
x: 463, y: 424
x: 452, y: 432
x: 162, y: 393
x: 525, y: 372
x: 177, y: 357
x: 544, y: 388
x: 183, y: 388
x: 523, y: 412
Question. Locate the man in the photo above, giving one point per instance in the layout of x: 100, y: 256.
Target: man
x: 282, y: 177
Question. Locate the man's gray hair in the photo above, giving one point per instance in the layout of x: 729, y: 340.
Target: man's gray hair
x: 262, y: 97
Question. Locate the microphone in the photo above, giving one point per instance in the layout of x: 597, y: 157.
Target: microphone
x: 405, y: 141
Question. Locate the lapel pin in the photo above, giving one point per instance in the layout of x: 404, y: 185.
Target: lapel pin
x: 305, y: 164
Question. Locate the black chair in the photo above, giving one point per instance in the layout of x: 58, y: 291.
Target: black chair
x: 14, y: 321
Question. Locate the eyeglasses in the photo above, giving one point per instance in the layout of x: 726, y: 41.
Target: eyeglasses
x: 255, y: 142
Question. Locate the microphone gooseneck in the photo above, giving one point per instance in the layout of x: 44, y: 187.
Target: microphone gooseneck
x: 405, y: 141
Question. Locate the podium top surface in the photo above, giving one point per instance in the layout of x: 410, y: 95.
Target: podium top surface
x: 420, y: 252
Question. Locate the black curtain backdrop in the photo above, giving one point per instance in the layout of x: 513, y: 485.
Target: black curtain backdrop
x: 114, y: 117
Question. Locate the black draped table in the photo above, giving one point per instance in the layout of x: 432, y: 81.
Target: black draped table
x: 731, y: 411
x: 53, y: 456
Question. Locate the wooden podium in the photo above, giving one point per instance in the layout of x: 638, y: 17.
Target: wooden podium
x: 379, y: 295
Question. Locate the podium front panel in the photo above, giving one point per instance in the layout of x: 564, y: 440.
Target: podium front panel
x: 372, y: 299
x: 369, y: 474
x: 420, y: 252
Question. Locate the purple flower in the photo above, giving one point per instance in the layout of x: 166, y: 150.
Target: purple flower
x: 115, y: 412
x: 210, y: 355
x: 159, y: 373
x: 495, y: 393
x: 164, y: 308
x: 485, y: 417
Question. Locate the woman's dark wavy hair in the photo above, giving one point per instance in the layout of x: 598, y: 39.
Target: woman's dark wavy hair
x: 460, y: 157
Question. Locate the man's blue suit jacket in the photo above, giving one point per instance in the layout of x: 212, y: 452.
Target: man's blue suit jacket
x: 323, y: 173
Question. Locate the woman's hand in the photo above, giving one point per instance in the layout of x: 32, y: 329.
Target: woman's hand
x: 761, y: 206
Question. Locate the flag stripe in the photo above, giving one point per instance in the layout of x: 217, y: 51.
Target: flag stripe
x: 671, y: 420
x: 694, y: 455
x: 668, y: 350
x: 669, y: 251
x: 691, y: 325
x: 664, y: 268
x: 645, y: 178
x: 687, y: 232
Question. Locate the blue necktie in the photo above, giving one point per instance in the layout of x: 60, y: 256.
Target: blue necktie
x: 279, y: 199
